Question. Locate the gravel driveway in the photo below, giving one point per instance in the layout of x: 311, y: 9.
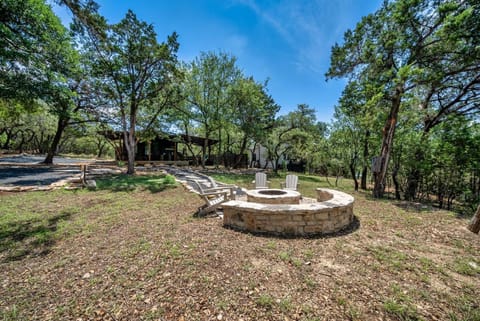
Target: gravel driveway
x: 14, y: 170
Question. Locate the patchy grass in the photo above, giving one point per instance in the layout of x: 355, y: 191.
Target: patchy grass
x: 131, y: 252
x: 152, y: 183
x: 467, y: 266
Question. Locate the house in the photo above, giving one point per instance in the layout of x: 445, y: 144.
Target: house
x: 162, y: 148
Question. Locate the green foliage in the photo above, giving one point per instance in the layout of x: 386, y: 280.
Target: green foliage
x: 26, y: 127
x: 35, y: 51
x: 86, y: 142
x: 295, y: 136
x: 223, y: 104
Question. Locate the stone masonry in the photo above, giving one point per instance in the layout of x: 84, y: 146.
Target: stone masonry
x: 332, y: 212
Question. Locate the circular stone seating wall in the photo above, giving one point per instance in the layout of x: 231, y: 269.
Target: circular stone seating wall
x: 332, y: 212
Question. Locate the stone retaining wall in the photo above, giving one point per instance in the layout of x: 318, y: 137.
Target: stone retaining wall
x: 332, y: 212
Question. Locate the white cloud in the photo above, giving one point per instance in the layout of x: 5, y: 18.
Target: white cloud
x: 237, y: 43
x: 268, y: 15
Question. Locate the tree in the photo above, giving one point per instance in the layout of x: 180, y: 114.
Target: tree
x: 289, y: 134
x: 86, y: 16
x: 78, y: 105
x: 410, y: 47
x: 358, y: 112
x: 34, y: 50
x: 37, y: 58
x: 207, y: 88
x: 253, y: 112
x: 132, y: 70
x: 16, y: 130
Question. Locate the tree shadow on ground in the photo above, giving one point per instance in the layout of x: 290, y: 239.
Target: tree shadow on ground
x: 462, y: 211
x: 33, y: 237
x: 310, y: 179
x: 415, y: 207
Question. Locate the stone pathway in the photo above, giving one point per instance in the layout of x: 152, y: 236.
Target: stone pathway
x: 187, y: 176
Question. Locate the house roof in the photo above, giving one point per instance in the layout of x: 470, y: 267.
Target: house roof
x: 179, y: 138
x: 196, y: 139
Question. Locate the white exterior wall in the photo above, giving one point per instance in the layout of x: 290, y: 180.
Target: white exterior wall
x: 261, y: 154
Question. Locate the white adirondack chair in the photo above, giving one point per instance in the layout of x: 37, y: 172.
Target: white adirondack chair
x: 223, y: 188
x: 214, y: 197
x: 291, y: 182
x: 213, y: 201
x: 260, y: 181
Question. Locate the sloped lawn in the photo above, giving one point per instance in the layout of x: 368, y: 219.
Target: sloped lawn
x: 137, y: 253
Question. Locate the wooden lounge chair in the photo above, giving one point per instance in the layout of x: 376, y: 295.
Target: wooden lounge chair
x: 291, y: 182
x: 216, y: 188
x: 213, y: 200
x: 260, y: 181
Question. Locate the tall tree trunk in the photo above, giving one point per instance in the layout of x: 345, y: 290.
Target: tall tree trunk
x: 101, y: 147
x: 8, y: 133
x: 130, y: 147
x: 61, y: 125
x: 474, y: 225
x: 243, y: 147
x: 221, y: 156
x: 414, y: 176
x: 190, y: 149
x: 130, y: 142
x: 395, y: 182
x: 387, y: 143
x: 363, y: 183
x: 254, y: 160
x: 204, y: 151
x: 352, y: 172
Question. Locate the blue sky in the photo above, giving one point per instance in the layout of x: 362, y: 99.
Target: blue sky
x: 285, y: 41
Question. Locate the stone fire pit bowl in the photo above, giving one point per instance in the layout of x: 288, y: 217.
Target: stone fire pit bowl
x: 331, y: 212
x: 273, y: 196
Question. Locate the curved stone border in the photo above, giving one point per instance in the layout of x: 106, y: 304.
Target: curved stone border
x: 332, y: 212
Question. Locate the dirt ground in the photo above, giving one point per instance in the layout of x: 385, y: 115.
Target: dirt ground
x: 143, y: 256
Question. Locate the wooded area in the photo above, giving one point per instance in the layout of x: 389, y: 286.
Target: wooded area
x: 411, y: 101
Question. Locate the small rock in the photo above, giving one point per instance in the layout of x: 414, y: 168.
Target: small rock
x: 219, y: 317
x: 91, y: 184
x: 86, y: 275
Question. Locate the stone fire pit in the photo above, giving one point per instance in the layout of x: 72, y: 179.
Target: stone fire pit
x: 273, y: 196
x: 330, y: 212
